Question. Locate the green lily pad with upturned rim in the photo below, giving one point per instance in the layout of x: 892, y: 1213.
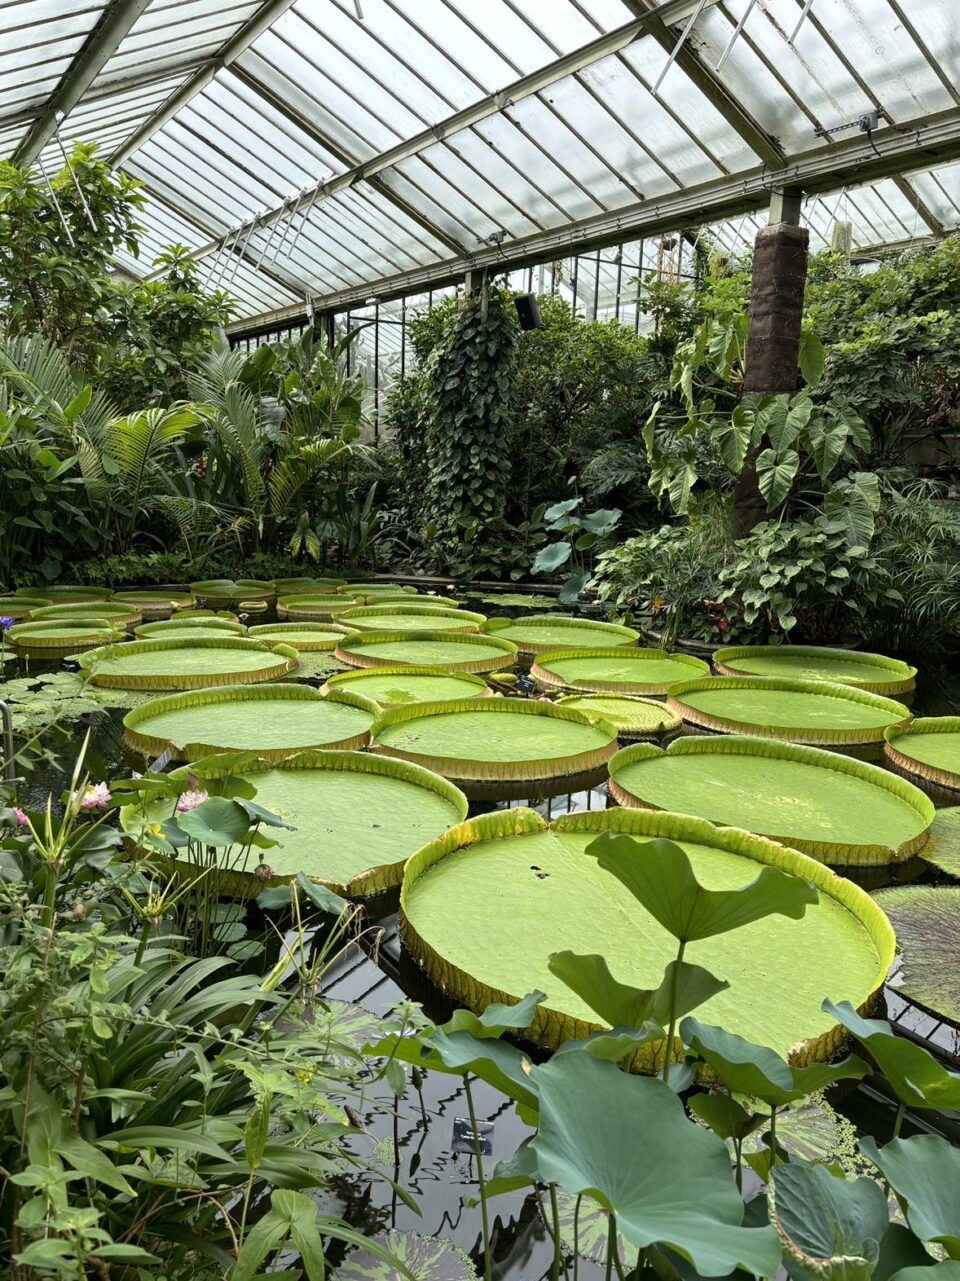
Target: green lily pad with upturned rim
x: 547, y: 633
x: 62, y: 634
x: 187, y: 664
x: 410, y: 618
x: 60, y: 593
x: 817, y: 713
x: 455, y: 652
x: 618, y: 670
x: 839, y: 810
x: 155, y: 602
x: 275, y: 721
x: 926, y: 920
x: 189, y: 627
x: 314, y: 607
x: 873, y: 672
x: 499, y: 748
x: 356, y: 818
x: 928, y: 749
x: 305, y: 637
x: 484, y: 907
x: 19, y: 607
x: 373, y: 586
x: 398, y: 686
x: 633, y: 717
x: 230, y: 592
x: 118, y: 614
x: 291, y: 586
x: 943, y: 842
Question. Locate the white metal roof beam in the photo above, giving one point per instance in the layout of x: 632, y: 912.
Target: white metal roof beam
x: 909, y: 147
x: 251, y: 30
x: 91, y: 58
x: 924, y: 212
x: 611, y: 42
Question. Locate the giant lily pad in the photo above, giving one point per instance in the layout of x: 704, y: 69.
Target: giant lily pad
x: 411, y: 618
x: 943, y: 842
x: 189, y: 628
x: 317, y: 607
x: 635, y: 718
x: 63, y: 635
x: 372, y: 588
x: 226, y: 591
x: 17, y: 607
x: 61, y: 593
x: 187, y: 664
x: 928, y: 749
x: 114, y: 612
x: 614, y: 670
x: 499, y: 748
x: 484, y: 908
x: 873, y: 672
x: 293, y: 586
x: 827, y: 805
x: 546, y: 633
x: 354, y: 818
x: 394, y: 686
x: 303, y: 636
x: 272, y: 720
x: 926, y: 920
x: 820, y: 713
x: 156, y: 602
x: 461, y: 652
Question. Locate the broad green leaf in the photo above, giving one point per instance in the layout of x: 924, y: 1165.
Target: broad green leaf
x: 256, y: 1132
x: 320, y: 896
x: 830, y: 1226
x: 811, y: 356
x: 918, y: 1079
x: 496, y: 1018
x: 559, y: 510
x: 550, y: 558
x: 603, y: 521
x: 948, y: 1270
x: 828, y: 439
x: 783, y: 419
x: 615, y: 1044
x: 572, y: 589
x: 683, y: 988
x: 457, y: 1053
x: 732, y: 437
x: 627, y: 1142
x: 727, y: 1118
x: 164, y: 1138
x: 92, y: 1163
x: 658, y: 874
x: 775, y: 475
x: 215, y: 821
x: 745, y: 1068
x: 264, y: 1237
x: 924, y: 1171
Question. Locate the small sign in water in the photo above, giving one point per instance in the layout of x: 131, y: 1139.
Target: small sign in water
x: 464, y: 1139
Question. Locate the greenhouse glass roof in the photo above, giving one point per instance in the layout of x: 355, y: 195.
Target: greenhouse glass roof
x: 327, y: 151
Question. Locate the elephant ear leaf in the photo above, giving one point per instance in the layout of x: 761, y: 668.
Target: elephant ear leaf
x: 626, y: 1141
x: 659, y: 876
x: 830, y: 1227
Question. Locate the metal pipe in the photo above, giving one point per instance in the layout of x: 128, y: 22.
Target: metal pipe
x: 808, y: 5
x: 736, y: 32
x: 53, y: 197
x: 688, y: 27
x: 83, y: 199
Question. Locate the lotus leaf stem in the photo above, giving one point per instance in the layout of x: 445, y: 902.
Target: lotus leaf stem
x: 481, y: 1182
x: 576, y: 1236
x: 675, y: 978
x: 611, y: 1245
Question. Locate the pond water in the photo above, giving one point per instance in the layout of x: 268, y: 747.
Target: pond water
x: 416, y: 1146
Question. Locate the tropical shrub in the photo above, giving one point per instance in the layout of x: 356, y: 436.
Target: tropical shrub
x: 575, y: 549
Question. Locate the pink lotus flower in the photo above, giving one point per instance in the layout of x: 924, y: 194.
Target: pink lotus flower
x: 96, y: 796
x: 190, y: 800
x: 20, y: 816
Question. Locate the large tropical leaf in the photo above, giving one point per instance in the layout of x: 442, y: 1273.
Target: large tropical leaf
x: 294, y: 472
x: 626, y: 1141
x: 924, y: 1171
x: 658, y: 874
x: 683, y: 988
x: 830, y: 1226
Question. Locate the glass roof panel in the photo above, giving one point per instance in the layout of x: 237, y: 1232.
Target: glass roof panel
x: 939, y: 189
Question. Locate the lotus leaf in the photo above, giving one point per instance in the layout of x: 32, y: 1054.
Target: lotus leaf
x: 924, y: 1171
x: 918, y: 1079
x: 830, y: 1226
x: 626, y: 1142
x: 682, y: 988
x: 821, y: 803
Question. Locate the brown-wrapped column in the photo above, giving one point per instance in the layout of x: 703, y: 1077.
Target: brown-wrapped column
x: 773, y: 332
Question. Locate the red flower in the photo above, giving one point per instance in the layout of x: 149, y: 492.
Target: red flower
x: 721, y: 623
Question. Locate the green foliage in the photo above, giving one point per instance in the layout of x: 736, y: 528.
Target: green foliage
x: 581, y: 537
x: 467, y: 414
